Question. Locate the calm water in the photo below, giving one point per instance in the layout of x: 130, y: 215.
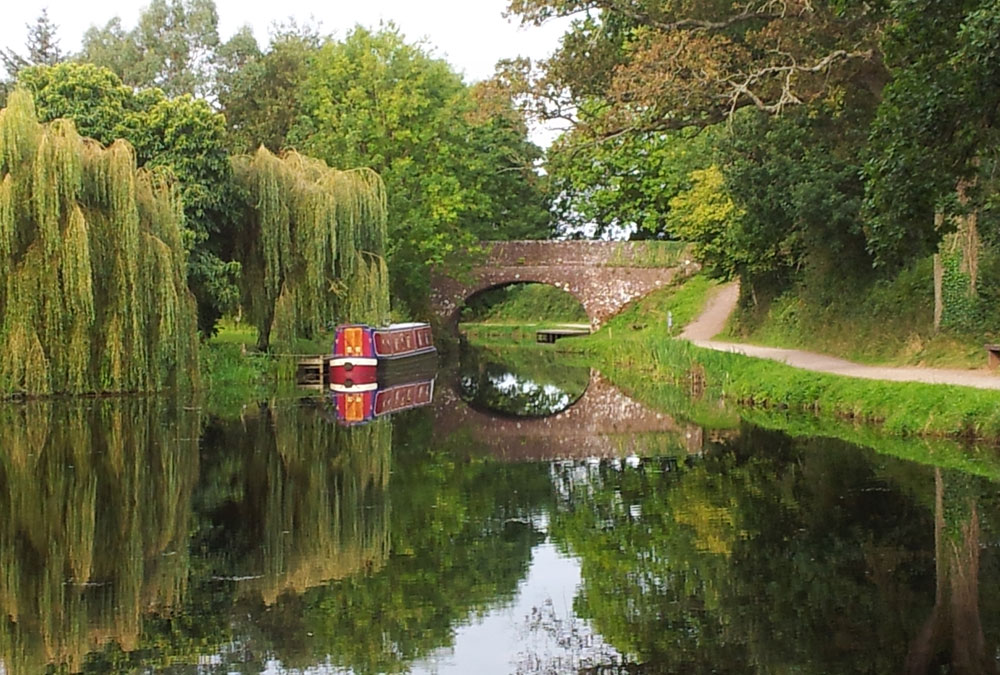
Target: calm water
x: 535, y: 519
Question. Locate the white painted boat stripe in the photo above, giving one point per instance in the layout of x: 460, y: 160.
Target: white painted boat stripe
x: 356, y: 388
x: 339, y: 362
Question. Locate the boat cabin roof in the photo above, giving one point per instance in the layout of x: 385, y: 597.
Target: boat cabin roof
x: 411, y: 324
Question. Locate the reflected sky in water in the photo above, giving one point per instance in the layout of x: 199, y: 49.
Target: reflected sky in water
x: 536, y: 384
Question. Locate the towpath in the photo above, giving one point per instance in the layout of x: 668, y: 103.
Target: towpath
x: 722, y: 303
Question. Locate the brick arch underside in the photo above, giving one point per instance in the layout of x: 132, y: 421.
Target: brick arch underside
x: 603, y: 291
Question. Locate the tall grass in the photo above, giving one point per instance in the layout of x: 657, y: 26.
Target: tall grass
x: 888, y: 321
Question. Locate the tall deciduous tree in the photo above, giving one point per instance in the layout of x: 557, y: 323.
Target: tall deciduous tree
x: 625, y: 185
x: 937, y: 132
x: 172, y: 47
x: 649, y: 65
x: 91, y: 250
x: 258, y: 90
x: 312, y: 245
x: 374, y: 100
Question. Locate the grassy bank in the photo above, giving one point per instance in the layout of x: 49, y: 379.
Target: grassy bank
x: 531, y: 303
x: 233, y: 370
x: 887, y: 322
x: 702, y: 409
x: 637, y: 341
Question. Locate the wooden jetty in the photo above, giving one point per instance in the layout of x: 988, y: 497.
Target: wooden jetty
x: 550, y: 335
x: 311, y: 372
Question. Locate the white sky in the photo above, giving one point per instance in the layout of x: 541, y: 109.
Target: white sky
x: 471, y: 34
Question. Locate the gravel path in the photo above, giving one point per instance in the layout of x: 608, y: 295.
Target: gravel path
x: 713, y: 319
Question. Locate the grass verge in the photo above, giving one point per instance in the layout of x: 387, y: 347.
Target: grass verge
x: 637, y: 341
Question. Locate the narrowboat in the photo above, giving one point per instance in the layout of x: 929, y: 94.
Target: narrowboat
x: 361, y: 403
x: 359, y: 350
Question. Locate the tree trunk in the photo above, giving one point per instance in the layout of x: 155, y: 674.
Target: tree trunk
x: 968, y: 235
x: 938, y: 277
x: 938, y: 291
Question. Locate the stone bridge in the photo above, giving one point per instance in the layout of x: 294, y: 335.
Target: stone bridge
x: 604, y: 423
x: 604, y: 276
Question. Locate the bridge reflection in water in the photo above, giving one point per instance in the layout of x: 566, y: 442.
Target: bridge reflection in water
x: 603, y: 422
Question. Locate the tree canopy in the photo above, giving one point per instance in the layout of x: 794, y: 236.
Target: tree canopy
x: 182, y: 136
x: 455, y: 161
x: 312, y: 244
x: 172, y: 47
x: 846, y: 133
x: 91, y: 249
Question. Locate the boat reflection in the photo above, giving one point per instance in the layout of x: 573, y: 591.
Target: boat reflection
x: 400, y: 386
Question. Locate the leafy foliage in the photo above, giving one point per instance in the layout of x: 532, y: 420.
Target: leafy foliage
x: 625, y: 184
x: 183, y: 137
x: 936, y: 127
x: 646, y: 66
x: 91, y: 250
x: 258, y: 90
x: 706, y: 216
x: 172, y: 47
x: 796, y: 180
x: 312, y: 246
x: 454, y: 169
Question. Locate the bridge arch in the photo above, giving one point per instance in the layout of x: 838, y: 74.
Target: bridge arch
x: 476, y: 292
x: 603, y: 276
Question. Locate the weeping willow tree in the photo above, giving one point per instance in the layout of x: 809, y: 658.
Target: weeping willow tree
x: 313, y: 246
x: 97, y: 502
x: 94, y: 295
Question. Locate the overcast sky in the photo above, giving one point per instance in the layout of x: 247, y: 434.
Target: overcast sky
x: 471, y: 34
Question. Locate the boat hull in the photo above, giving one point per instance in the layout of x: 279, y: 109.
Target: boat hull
x: 360, y: 351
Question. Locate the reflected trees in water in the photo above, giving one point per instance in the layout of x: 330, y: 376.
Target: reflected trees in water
x: 768, y: 554
x: 953, y: 633
x: 285, y: 538
x: 122, y: 549
x: 289, y: 501
x: 539, y: 384
x: 462, y: 535
x: 97, y: 504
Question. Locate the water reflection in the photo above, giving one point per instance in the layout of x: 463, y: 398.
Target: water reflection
x: 805, y: 555
x: 96, y: 498
x: 536, y: 384
x: 142, y: 535
x: 289, y: 501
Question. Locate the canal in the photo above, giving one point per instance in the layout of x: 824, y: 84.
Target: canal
x: 535, y: 518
